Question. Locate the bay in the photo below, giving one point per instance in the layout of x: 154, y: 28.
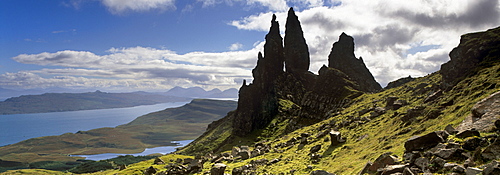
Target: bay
x: 148, y: 151
x: 18, y: 127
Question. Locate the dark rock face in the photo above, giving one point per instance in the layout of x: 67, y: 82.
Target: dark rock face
x: 342, y: 58
x: 470, y: 54
x: 317, y: 95
x: 258, y: 101
x: 296, y: 50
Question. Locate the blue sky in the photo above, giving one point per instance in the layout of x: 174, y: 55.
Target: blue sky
x: 154, y: 45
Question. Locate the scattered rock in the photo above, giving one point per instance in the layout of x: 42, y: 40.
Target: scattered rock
x: 468, y: 133
x: 473, y: 143
x: 382, y: 161
x: 491, y: 168
x: 315, y: 149
x: 321, y: 172
x: 336, y: 138
x: 473, y: 171
x: 218, y: 169
x: 423, y: 142
x: 492, y: 152
x: 158, y: 161
x: 484, y: 114
x: 389, y: 102
x: 150, y: 171
x: 422, y: 163
x: 450, y: 129
x: 433, y: 96
x: 392, y: 169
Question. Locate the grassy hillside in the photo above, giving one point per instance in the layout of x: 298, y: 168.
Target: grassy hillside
x: 57, y: 102
x: 366, y: 140
x: 151, y: 130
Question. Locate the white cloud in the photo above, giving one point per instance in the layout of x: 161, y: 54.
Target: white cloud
x: 130, y: 68
x: 274, y: 5
x: 121, y: 6
x: 384, y: 31
x: 235, y: 46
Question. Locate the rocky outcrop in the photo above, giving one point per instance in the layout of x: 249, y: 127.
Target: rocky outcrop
x: 342, y: 58
x: 296, y: 50
x: 399, y: 82
x: 484, y: 113
x: 475, y: 49
x: 257, y: 102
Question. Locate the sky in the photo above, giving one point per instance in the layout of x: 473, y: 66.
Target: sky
x: 155, y: 45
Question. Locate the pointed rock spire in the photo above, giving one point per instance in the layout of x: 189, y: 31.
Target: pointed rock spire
x: 273, y: 49
x: 342, y: 58
x: 296, y: 50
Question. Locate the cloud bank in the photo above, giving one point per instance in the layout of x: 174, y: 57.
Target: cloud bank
x: 394, y: 38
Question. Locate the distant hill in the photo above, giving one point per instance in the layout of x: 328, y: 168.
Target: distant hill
x: 150, y: 130
x: 58, y: 102
x: 198, y: 92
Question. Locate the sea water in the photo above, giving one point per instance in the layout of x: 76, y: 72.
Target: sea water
x: 148, y: 151
x: 18, y: 127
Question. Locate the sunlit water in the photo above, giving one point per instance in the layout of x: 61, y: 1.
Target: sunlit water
x: 18, y: 127
x: 148, y: 151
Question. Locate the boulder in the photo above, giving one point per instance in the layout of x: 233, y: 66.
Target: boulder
x: 195, y: 166
x: 389, y: 102
x: 392, y: 169
x: 484, y: 115
x: 491, y: 168
x: 382, y: 161
x: 422, y: 163
x: 423, y: 142
x: 468, y: 133
x: 450, y: 154
x: 158, y: 161
x: 492, y: 152
x: 321, y: 172
x: 244, y: 154
x: 473, y: 143
x: 473, y: 171
x: 450, y: 130
x: 150, y: 171
x: 315, y: 149
x: 336, y: 138
x: 218, y: 169
x: 433, y: 96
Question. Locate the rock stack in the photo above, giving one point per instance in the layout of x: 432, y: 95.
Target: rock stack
x: 342, y: 58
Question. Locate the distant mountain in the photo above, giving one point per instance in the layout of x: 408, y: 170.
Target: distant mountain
x: 58, y: 102
x: 198, y: 92
x: 228, y: 93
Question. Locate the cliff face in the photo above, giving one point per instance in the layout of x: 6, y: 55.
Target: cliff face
x: 259, y: 101
x: 471, y: 54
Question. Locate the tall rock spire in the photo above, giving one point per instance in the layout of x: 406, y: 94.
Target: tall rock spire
x: 271, y: 64
x: 342, y: 58
x: 296, y: 50
x: 273, y: 49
